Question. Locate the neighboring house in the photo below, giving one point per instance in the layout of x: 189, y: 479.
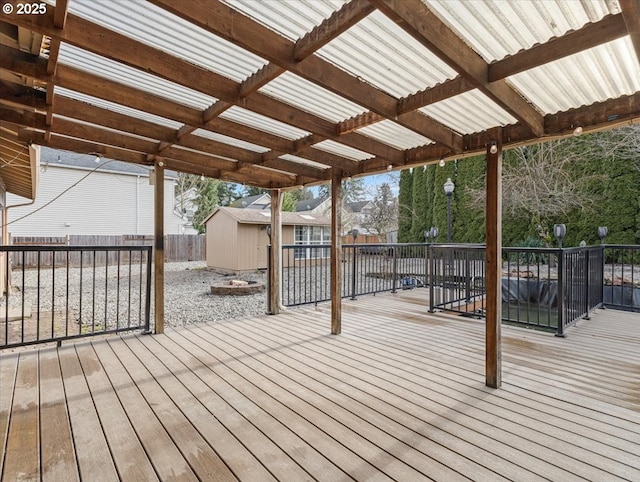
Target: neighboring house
x: 79, y: 196
x: 259, y: 201
x: 186, y: 207
x: 316, y: 205
x: 237, y: 238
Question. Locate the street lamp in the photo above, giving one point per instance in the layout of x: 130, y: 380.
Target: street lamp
x: 602, y: 233
x: 449, y: 186
x: 560, y: 231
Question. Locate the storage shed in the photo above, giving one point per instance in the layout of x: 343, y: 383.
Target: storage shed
x: 237, y: 238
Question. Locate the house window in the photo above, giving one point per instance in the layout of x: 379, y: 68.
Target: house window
x: 312, y: 235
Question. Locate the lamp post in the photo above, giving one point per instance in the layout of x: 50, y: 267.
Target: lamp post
x: 560, y: 231
x: 602, y: 233
x: 449, y: 186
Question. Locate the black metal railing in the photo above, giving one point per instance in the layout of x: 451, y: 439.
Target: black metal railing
x: 621, y: 272
x: 457, y: 278
x: 366, y: 269
x: 545, y: 288
x: 104, y: 290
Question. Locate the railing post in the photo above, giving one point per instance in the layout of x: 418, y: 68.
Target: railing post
x: 560, y: 328
x: 353, y: 272
x: 587, y: 286
x: 602, y: 266
x: 467, y: 277
x: 431, y: 257
x: 395, y: 269
x: 147, y: 300
x: 269, y: 312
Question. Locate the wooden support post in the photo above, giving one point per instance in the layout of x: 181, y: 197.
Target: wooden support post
x: 275, y: 261
x: 494, y: 265
x: 336, y: 251
x: 158, y: 246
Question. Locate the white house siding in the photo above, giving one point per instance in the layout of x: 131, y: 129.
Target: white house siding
x: 104, y: 203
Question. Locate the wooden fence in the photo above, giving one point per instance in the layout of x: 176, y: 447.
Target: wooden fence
x: 177, y: 247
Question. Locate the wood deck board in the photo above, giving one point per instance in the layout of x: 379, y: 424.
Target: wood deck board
x: 56, y: 440
x: 513, y: 424
x: 8, y: 370
x: 443, y: 406
x: 128, y: 454
x: 399, y: 394
x: 23, y: 451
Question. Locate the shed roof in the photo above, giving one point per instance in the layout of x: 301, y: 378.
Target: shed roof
x: 253, y: 216
x: 279, y: 93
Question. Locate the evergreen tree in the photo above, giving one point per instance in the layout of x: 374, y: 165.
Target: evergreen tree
x: 353, y: 190
x: 469, y: 220
x: 206, y: 202
x: 421, y: 203
x: 227, y: 193
x: 289, y: 201
x: 405, y: 205
x: 254, y: 191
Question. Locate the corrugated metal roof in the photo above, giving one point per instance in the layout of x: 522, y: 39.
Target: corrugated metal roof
x: 119, y: 108
x: 290, y: 18
x: 469, y: 112
x: 497, y: 28
x: 342, y: 150
x: 263, y: 123
x: 310, y: 97
x: 394, y: 135
x: 154, y: 26
x: 582, y: 79
x: 381, y: 53
x: 214, y: 136
x: 301, y: 160
x: 109, y: 69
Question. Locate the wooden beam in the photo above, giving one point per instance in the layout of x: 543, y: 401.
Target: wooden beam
x: 243, y: 31
x: 275, y: 254
x: 422, y: 24
x: 336, y: 252
x: 493, y: 241
x: 340, y: 21
x: 631, y: 14
x: 445, y: 90
x: 610, y: 28
x: 88, y: 36
x: 355, y: 123
x: 158, y: 246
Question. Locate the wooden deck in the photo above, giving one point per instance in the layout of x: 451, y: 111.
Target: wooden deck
x: 399, y: 395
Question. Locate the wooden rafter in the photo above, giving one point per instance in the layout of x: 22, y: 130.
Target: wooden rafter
x: 254, y: 37
x: 631, y: 14
x: 422, y: 24
x: 102, y: 41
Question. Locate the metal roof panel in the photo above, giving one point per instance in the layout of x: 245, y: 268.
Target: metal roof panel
x: 583, y: 78
x: 154, y: 26
x: 260, y: 122
x: 469, y: 112
x: 381, y: 53
x: 497, y: 28
x: 295, y: 90
x: 103, y: 67
x: 394, y: 135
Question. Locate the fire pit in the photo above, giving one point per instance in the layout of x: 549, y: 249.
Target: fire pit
x: 237, y: 288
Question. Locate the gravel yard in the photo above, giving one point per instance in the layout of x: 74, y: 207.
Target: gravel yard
x: 188, y: 297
